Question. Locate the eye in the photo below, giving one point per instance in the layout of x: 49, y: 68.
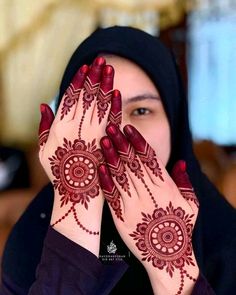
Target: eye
x: 141, y: 112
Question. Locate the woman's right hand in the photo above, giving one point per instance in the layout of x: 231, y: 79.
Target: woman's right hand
x: 70, y: 153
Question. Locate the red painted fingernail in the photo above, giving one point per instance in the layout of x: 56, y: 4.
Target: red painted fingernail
x: 116, y: 93
x: 182, y: 166
x: 128, y: 129
x: 112, y: 129
x: 84, y: 69
x: 106, y: 142
x: 108, y: 70
x: 42, y: 108
x: 99, y: 61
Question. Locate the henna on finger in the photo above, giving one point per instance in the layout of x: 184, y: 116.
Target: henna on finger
x: 111, y: 193
x: 128, y: 155
x: 72, y: 93
x: 146, y: 153
x: 164, y: 239
x: 115, y: 115
x: 47, y: 118
x: 125, y: 150
x: 114, y: 163
x: 105, y: 92
x: 90, y: 90
x: 181, y: 179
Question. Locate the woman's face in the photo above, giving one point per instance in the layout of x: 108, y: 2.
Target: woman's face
x: 141, y: 105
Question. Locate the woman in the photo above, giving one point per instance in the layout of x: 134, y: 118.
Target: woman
x: 151, y: 211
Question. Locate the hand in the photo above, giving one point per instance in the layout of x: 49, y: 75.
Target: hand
x: 154, y: 218
x: 70, y: 153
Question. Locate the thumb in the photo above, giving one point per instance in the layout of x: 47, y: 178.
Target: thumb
x: 47, y: 118
x: 181, y: 179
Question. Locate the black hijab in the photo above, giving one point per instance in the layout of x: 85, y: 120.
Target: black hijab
x: 214, y: 237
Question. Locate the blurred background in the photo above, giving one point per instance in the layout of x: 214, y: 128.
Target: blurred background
x: 38, y: 37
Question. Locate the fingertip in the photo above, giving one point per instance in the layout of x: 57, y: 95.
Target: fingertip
x: 112, y: 129
x: 99, y: 61
x: 108, y: 70
x: 116, y: 93
x: 105, y: 142
x: 182, y: 166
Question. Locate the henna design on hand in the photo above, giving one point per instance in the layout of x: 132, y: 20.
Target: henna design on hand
x: 45, y: 123
x: 75, y: 168
x: 164, y: 238
x: 110, y: 191
x: 72, y: 93
x: 145, y: 152
x: 181, y: 179
x: 129, y: 157
x: 115, y: 115
x: 105, y: 92
x: 115, y: 164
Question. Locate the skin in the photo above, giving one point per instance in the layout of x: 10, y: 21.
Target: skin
x: 141, y: 105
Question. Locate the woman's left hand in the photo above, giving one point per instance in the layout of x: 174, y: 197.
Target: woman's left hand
x: 154, y: 213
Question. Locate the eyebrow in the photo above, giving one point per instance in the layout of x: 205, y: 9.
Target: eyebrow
x: 142, y: 97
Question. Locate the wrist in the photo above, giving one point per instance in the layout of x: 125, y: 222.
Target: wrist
x: 182, y: 280
x: 79, y: 224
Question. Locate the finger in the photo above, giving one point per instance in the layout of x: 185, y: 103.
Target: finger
x: 105, y: 92
x: 124, y: 149
x: 115, y: 115
x: 47, y: 118
x: 111, y: 193
x: 70, y: 98
x: 115, y: 165
x: 90, y: 89
x: 145, y: 152
x: 139, y: 177
x: 181, y: 179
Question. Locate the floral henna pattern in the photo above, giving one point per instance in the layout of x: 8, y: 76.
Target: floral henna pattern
x: 119, y: 173
x: 164, y: 238
x: 75, y: 169
x: 148, y: 158
x: 104, y: 100
x: 113, y: 198
x: 129, y: 157
x: 89, y: 93
x: 71, y: 98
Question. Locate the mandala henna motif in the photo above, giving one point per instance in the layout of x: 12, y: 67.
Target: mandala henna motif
x: 75, y: 169
x: 164, y: 238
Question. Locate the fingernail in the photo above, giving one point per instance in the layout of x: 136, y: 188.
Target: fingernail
x: 116, y: 93
x: 106, y: 142
x: 182, y: 166
x: 128, y: 129
x: 99, y: 61
x: 108, y: 70
x: 112, y: 129
x: 42, y: 108
x: 84, y: 69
